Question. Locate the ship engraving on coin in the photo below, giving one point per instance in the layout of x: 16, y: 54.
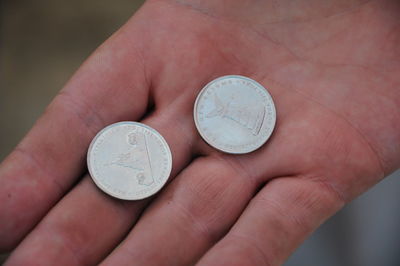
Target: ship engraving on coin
x: 137, y: 159
x: 129, y: 160
x: 235, y: 114
x: 249, y: 117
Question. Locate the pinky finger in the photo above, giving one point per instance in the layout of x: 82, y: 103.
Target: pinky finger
x: 276, y: 221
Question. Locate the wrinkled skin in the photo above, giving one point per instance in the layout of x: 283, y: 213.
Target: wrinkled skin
x: 333, y: 69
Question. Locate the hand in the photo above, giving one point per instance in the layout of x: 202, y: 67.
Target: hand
x: 333, y: 69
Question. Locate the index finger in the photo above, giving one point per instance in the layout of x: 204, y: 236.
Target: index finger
x: 111, y: 86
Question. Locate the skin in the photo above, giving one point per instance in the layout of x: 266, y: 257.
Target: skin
x: 333, y: 69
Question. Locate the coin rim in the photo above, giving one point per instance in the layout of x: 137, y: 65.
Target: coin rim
x: 196, y: 117
x: 99, y: 184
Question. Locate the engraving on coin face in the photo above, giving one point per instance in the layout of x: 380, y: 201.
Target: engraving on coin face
x: 129, y: 160
x: 234, y: 114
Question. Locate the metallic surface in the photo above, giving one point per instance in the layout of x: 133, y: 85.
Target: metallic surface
x: 234, y: 114
x: 129, y: 160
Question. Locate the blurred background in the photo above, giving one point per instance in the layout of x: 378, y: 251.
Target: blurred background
x: 43, y: 42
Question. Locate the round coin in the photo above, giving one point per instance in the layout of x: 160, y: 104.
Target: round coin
x: 234, y: 114
x: 129, y: 160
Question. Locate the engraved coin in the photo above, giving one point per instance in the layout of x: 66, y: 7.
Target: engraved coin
x: 129, y: 160
x: 234, y: 114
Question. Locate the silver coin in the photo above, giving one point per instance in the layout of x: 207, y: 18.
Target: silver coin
x: 234, y: 114
x: 129, y: 160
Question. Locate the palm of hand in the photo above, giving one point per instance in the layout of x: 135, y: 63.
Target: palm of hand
x: 334, y: 85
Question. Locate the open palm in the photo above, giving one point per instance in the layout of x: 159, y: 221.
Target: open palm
x: 333, y: 70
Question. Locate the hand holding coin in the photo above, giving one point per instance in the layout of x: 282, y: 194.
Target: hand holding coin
x: 333, y: 83
x: 141, y: 152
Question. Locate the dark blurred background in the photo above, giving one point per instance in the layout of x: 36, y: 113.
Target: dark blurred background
x: 43, y: 42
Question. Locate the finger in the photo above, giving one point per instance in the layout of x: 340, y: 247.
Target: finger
x: 276, y: 221
x: 191, y: 214
x: 68, y: 236
x: 87, y: 224
x: 111, y: 86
